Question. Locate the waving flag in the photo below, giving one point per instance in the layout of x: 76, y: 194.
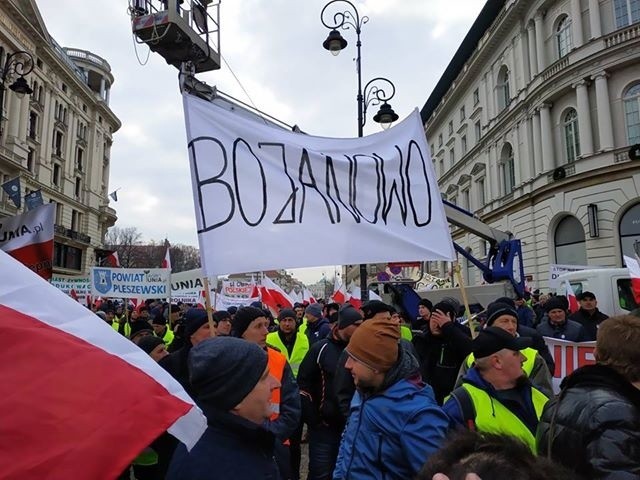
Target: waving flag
x: 571, y: 297
x: 12, y: 188
x: 339, y: 294
x: 633, y: 265
x: 113, y: 260
x: 166, y: 261
x: 80, y: 401
x: 277, y: 294
x: 308, y: 297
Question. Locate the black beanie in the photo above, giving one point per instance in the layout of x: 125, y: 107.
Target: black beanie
x: 224, y: 370
x: 555, y: 302
x: 425, y: 302
x: 158, y: 319
x: 373, y: 307
x: 347, y: 316
x: 286, y: 313
x: 149, y: 342
x: 139, y: 326
x: 446, y: 308
x: 220, y: 315
x: 497, y: 309
x: 242, y: 320
x: 194, y: 318
x: 507, y: 300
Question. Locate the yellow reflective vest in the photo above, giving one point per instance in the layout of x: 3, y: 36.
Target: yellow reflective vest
x: 406, y: 333
x: 493, y: 417
x: 168, y: 336
x: 300, y: 349
x: 527, y: 366
x: 127, y: 327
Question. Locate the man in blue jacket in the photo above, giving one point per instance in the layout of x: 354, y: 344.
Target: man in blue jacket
x: 395, y: 423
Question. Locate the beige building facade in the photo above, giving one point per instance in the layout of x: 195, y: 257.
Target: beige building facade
x: 58, y: 139
x: 530, y: 129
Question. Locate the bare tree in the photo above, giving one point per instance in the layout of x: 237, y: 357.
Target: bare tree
x: 126, y: 242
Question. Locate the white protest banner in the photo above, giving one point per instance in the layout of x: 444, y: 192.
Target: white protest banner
x: 268, y: 198
x: 77, y: 287
x: 569, y: 356
x: 140, y: 283
x: 235, y: 288
x: 555, y: 270
x: 223, y: 302
x: 187, y: 287
x: 29, y: 239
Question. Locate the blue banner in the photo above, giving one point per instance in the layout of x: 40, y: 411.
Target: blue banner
x: 12, y: 188
x: 33, y: 200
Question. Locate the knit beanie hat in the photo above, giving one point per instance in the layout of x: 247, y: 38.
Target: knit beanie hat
x: 158, y: 319
x: 347, y: 316
x: 242, y: 320
x: 373, y: 307
x: 150, y: 342
x: 555, y: 302
x: 446, y: 308
x: 375, y: 343
x: 220, y: 315
x: 224, y: 370
x: 315, y: 309
x: 425, y: 302
x: 194, y: 318
x: 498, y: 309
x: 507, y: 300
x: 286, y: 313
x: 140, y: 326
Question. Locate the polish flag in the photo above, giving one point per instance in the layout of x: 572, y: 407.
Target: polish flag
x: 355, y: 297
x: 73, y: 294
x: 633, y: 265
x: 307, y: 297
x: 267, y: 299
x: 113, y: 260
x: 339, y: 294
x: 75, y: 389
x: 278, y: 295
x: 571, y: 297
x: 166, y: 261
x: 255, y: 291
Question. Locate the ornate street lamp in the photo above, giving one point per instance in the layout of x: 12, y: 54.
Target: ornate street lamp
x: 19, y: 63
x: 374, y: 94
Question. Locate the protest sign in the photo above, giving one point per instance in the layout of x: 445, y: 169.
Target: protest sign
x: 568, y: 356
x: 78, y: 287
x: 140, y: 283
x: 555, y: 270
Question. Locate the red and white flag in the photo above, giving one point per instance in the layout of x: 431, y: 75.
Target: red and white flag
x: 74, y: 390
x: 308, y: 297
x: 633, y: 265
x: 166, y: 261
x: 339, y: 294
x: 113, y: 260
x: 277, y: 294
x: 29, y: 239
x: 574, y: 306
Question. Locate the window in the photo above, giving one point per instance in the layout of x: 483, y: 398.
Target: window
x: 76, y: 221
x: 39, y: 63
x: 481, y: 193
x: 64, y: 88
x: 451, y: 127
x: 433, y: 150
x: 80, y: 159
x: 508, y: 169
x: 56, y: 174
x: 78, y: 187
x: 33, y: 125
x: 503, y: 92
x: 31, y: 153
x: 441, y: 166
x: 452, y: 157
x: 476, y: 97
x: 65, y: 256
x: 478, y: 131
x: 439, y: 140
x: 629, y: 230
x: 632, y: 113
x: 58, y: 143
x: 462, y: 114
x: 626, y: 12
x: 58, y: 211
x: 454, y: 200
x: 463, y: 145
x: 465, y: 199
x: 570, y: 247
x: 571, y: 135
x: 563, y: 36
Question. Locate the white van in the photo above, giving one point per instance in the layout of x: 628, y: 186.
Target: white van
x: 611, y: 286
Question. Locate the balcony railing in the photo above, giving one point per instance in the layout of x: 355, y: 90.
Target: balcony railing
x: 72, y: 234
x: 622, y: 35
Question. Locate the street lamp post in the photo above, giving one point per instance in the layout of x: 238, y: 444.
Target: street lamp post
x: 373, y: 93
x: 21, y: 64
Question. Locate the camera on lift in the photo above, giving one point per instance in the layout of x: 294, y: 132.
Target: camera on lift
x: 179, y: 30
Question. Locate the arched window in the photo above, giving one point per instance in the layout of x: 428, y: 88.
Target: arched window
x: 629, y: 230
x: 503, y: 90
x: 563, y: 36
x: 571, y: 135
x: 508, y: 169
x: 570, y: 246
x: 626, y: 12
x: 632, y: 113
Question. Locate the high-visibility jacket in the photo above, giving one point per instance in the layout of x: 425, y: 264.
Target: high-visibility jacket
x: 527, y: 366
x: 127, y: 327
x: 276, y: 363
x: 303, y: 326
x: 406, y: 333
x: 168, y: 336
x: 300, y: 349
x: 493, y: 417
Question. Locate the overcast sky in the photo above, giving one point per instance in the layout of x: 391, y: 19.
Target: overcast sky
x: 275, y: 49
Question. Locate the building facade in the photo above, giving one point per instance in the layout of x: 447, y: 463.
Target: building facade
x: 530, y: 128
x: 58, y: 139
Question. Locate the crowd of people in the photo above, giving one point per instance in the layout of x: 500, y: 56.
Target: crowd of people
x: 377, y: 395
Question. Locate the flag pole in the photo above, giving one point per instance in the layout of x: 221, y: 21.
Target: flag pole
x: 467, y: 311
x: 207, y: 306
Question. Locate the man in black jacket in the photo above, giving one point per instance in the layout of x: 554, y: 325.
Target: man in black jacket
x: 441, y: 348
x: 588, y: 316
x: 319, y: 402
x: 593, y: 426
